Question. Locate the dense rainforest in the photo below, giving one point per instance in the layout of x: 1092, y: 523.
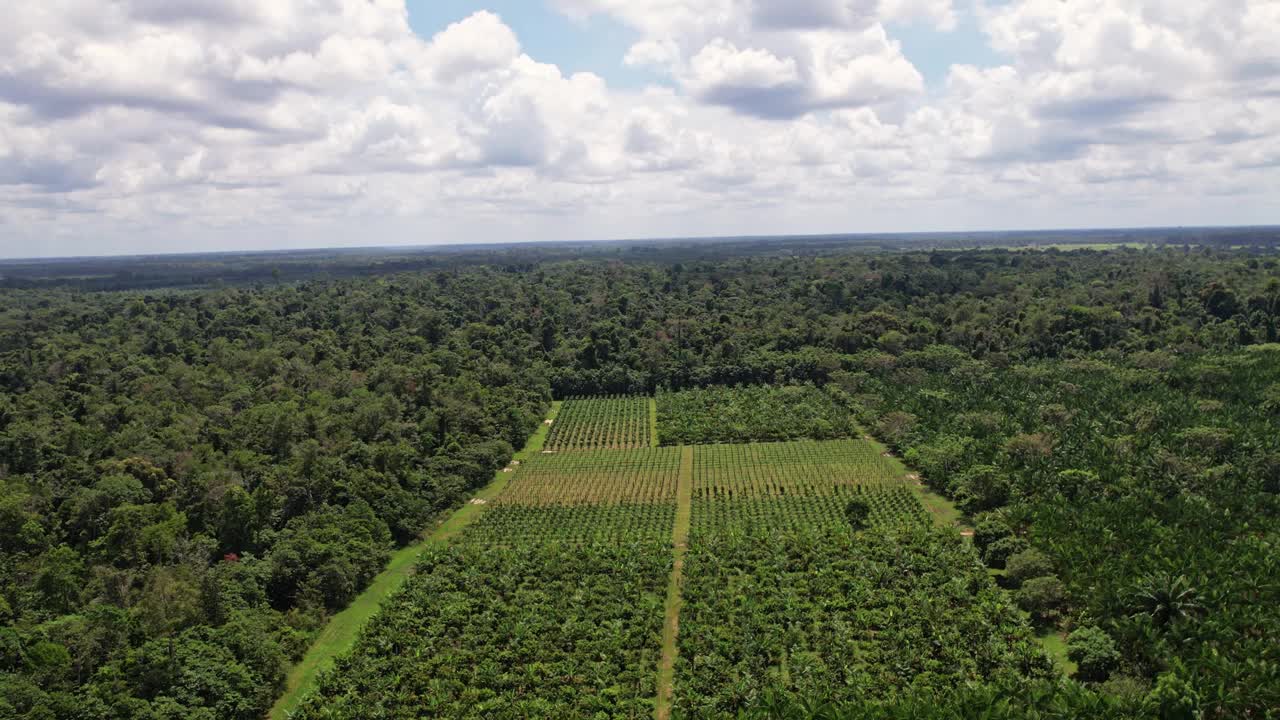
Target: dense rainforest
x: 192, y: 479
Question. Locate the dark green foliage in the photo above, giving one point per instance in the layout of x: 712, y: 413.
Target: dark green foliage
x: 1165, y: 598
x: 747, y: 414
x: 858, y: 512
x: 1093, y: 650
x: 848, y: 616
x: 1043, y: 597
x: 326, y: 557
x: 189, y: 481
x: 563, y: 631
x: 988, y: 530
x: 1115, y: 410
x: 999, y: 551
x: 1148, y: 479
x: 1025, y: 565
x: 1008, y: 701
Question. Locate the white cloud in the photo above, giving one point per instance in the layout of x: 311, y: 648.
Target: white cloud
x: 721, y: 72
x: 775, y: 58
x: 313, y: 122
x: 478, y: 43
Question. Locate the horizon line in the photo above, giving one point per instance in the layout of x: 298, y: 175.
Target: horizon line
x: 31, y: 259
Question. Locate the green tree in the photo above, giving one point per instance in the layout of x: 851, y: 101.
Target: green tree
x: 61, y: 579
x: 1094, y: 653
x: 858, y: 512
x: 1043, y: 597
x: 1026, y: 565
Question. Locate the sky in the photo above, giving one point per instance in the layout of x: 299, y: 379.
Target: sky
x: 143, y: 126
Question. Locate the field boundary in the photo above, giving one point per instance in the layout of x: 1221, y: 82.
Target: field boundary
x: 671, y: 621
x: 340, y: 633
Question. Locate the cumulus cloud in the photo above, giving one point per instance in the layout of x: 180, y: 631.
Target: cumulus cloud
x: 775, y: 58
x: 479, y: 43
x: 319, y: 120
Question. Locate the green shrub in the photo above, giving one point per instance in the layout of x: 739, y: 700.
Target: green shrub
x: 1026, y: 565
x: 1093, y: 650
x: 998, y: 552
x: 1043, y: 597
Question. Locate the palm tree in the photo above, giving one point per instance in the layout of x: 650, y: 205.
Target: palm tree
x: 1166, y: 598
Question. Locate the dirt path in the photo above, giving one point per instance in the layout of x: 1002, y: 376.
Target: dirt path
x: 679, y: 545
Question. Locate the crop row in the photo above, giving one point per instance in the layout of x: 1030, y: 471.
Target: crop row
x: 610, y: 423
x: 627, y: 523
x: 890, y: 507
x: 803, y: 468
x: 593, y: 477
x: 841, y: 616
x: 543, y: 630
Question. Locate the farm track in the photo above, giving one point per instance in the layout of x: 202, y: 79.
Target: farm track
x: 679, y: 547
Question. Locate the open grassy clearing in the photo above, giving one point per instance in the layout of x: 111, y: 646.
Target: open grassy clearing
x: 340, y: 633
x: 602, y: 423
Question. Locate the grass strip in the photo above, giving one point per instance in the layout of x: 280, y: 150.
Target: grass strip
x: 671, y: 622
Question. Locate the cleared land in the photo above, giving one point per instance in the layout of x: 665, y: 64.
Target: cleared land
x: 609, y: 423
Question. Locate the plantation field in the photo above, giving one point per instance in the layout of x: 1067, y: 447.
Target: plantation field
x: 750, y: 414
x: 844, y: 616
x: 594, y: 477
x: 509, y: 524
x: 684, y: 582
x: 529, y: 631
x: 610, y: 423
x: 890, y: 507
x: 805, y: 468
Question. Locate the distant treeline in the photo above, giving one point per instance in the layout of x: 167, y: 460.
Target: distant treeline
x: 150, y: 272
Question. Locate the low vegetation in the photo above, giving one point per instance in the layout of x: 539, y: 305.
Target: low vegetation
x: 745, y: 414
x: 789, y: 469
x: 596, y: 476
x: 601, y: 423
